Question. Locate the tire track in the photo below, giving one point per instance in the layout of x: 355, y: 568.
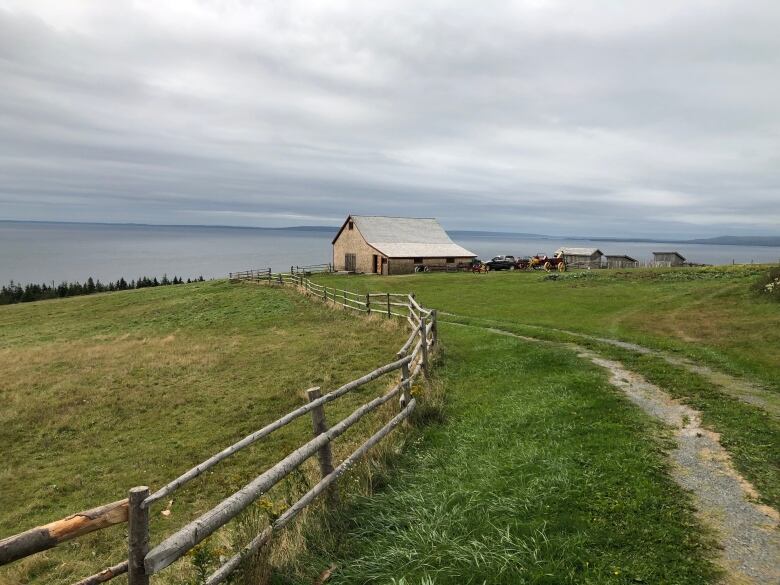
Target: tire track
x: 748, y: 532
x: 738, y: 388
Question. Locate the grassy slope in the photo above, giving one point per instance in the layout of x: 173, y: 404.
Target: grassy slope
x: 105, y: 392
x: 541, y: 474
x: 568, y: 486
x: 708, y: 313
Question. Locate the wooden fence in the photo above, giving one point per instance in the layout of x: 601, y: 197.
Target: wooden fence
x: 143, y: 561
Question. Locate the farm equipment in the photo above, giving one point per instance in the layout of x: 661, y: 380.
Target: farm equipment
x: 479, y: 267
x: 544, y: 262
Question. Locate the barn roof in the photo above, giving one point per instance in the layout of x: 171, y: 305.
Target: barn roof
x: 666, y: 253
x: 623, y: 256
x: 579, y: 251
x: 407, y: 237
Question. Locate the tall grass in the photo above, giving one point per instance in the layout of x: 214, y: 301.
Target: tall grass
x: 540, y: 473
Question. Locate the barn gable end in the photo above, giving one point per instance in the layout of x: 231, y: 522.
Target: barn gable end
x: 394, y: 245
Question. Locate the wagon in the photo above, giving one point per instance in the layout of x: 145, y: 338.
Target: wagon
x: 542, y: 261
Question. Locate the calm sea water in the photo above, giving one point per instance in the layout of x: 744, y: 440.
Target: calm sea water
x: 42, y: 252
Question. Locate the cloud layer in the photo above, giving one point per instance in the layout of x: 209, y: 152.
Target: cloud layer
x: 597, y: 118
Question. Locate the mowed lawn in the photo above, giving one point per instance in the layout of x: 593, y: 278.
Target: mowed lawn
x: 709, y: 313
x: 541, y: 473
x: 106, y: 392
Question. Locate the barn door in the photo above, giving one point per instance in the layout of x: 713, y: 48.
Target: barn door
x: 349, y: 262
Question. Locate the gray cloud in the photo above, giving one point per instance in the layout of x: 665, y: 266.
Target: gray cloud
x: 590, y: 118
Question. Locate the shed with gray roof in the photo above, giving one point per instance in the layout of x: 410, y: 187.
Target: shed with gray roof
x: 581, y: 257
x: 668, y: 259
x: 394, y: 245
x: 621, y: 261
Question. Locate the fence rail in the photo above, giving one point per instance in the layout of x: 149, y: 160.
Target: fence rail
x: 412, y: 359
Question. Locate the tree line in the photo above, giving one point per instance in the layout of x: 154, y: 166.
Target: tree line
x: 17, y: 293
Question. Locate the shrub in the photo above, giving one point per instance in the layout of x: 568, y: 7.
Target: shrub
x: 769, y: 285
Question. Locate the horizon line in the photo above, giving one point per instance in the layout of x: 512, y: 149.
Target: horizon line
x: 650, y: 239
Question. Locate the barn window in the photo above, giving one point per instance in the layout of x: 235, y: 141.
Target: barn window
x: 418, y: 260
x: 350, y: 225
x: 450, y: 260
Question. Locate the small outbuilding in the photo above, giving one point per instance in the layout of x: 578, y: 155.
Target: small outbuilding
x: 668, y: 259
x: 623, y: 261
x: 581, y: 257
x: 394, y: 245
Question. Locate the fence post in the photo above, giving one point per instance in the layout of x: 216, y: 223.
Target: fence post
x: 424, y: 345
x: 405, y: 384
x: 434, y: 327
x: 269, y: 275
x: 388, y: 305
x: 368, y: 303
x: 319, y: 426
x: 138, y: 536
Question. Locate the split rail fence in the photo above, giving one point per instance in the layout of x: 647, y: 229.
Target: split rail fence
x: 144, y: 561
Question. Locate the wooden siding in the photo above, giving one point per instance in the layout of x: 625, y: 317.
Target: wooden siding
x: 581, y: 261
x: 406, y: 265
x: 621, y: 262
x: 667, y: 259
x: 350, y: 241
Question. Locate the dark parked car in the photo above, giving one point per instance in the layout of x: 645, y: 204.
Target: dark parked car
x: 502, y: 263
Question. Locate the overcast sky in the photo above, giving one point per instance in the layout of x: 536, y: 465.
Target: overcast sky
x: 595, y: 118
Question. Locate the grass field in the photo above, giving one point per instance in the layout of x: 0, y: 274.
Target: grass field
x: 708, y: 313
x: 540, y: 471
x: 106, y: 392
x: 710, y: 316
x: 541, y: 474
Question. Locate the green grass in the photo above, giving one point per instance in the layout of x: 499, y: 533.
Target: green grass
x: 107, y: 392
x: 710, y: 314
x: 542, y: 473
x: 750, y: 434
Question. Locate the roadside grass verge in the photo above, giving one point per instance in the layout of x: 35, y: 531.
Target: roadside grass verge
x: 541, y: 473
x: 710, y: 314
x: 106, y: 392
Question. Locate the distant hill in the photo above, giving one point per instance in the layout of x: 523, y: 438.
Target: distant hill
x: 489, y: 234
x: 308, y: 228
x: 770, y: 241
x: 739, y: 241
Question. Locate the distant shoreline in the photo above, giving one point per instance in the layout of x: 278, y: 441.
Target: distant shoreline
x: 763, y: 241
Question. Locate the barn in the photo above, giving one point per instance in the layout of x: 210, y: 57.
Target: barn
x: 668, y: 259
x: 581, y: 257
x: 621, y: 261
x: 394, y: 245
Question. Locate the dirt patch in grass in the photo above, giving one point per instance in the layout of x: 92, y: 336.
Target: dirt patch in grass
x: 725, y: 500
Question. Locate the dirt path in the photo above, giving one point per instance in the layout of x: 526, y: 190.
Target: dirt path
x: 738, y: 388
x: 749, y: 533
